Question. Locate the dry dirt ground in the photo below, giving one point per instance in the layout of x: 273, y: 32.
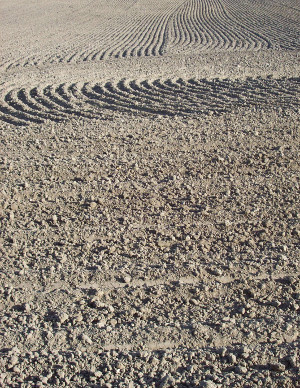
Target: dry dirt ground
x: 149, y: 193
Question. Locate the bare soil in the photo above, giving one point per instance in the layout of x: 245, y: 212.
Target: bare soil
x: 149, y: 194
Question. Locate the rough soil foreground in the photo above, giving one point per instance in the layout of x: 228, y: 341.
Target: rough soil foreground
x: 149, y: 193
x: 153, y: 252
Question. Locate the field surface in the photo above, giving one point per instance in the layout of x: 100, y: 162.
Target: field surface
x: 149, y: 193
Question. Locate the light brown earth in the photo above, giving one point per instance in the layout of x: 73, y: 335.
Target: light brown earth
x: 149, y: 193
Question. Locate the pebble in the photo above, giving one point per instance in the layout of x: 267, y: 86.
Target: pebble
x: 217, y: 272
x: 277, y: 367
x: 86, y: 339
x: 63, y: 317
x: 240, y: 369
x: 127, y: 279
x: 26, y: 307
x: 13, y: 361
x: 232, y: 358
x: 208, y: 384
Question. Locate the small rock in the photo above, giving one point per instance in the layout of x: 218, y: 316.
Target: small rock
x: 26, y: 307
x: 13, y: 361
x: 292, y: 360
x: 249, y: 293
x: 126, y: 279
x: 63, y: 317
x: 14, y: 206
x: 277, y: 367
x: 101, y: 323
x: 208, y: 384
x: 217, y: 272
x: 241, y: 310
x: 86, y: 339
x: 240, y: 369
x: 245, y: 352
x: 232, y: 358
x: 93, y: 205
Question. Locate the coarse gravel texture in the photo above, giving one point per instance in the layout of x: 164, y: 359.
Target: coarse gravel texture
x: 149, y: 193
x: 140, y: 252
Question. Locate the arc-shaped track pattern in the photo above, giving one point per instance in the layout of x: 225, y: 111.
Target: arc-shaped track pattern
x: 135, y: 32
x: 169, y: 97
x: 277, y: 20
x: 206, y: 24
x: 140, y: 28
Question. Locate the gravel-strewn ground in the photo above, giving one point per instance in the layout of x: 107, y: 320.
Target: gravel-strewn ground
x: 151, y: 251
x: 149, y: 193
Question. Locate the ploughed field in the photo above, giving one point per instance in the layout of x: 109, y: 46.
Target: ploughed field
x: 149, y: 193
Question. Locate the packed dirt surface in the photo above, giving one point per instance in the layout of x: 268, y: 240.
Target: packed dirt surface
x: 149, y: 193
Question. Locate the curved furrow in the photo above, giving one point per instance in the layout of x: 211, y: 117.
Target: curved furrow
x: 176, y: 32
x: 109, y: 49
x: 10, y: 107
x: 175, y: 93
x: 148, y: 37
x: 206, y: 25
x: 134, y: 37
x: 243, y: 39
x: 245, y: 31
x: 50, y: 99
x: 221, y: 91
x: 66, y: 108
x: 154, y: 97
x: 14, y: 116
x: 6, y: 118
x: 228, y: 30
x: 36, y: 109
x: 52, y: 93
x: 38, y: 95
x: 153, y: 38
x: 104, y: 98
x: 65, y: 95
x: 83, y: 106
x: 155, y: 47
x: 203, y: 17
x: 217, y: 22
x: 254, y: 17
x: 201, y: 97
x: 20, y: 62
x: 136, y: 102
x: 110, y: 42
x: 186, y: 37
x: 12, y: 100
x: 216, y: 90
x: 146, y: 32
x: 183, y: 87
x: 202, y: 36
x: 181, y: 101
x: 190, y: 21
x: 165, y: 97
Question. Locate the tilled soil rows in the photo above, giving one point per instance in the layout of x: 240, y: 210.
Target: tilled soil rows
x: 149, y: 193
